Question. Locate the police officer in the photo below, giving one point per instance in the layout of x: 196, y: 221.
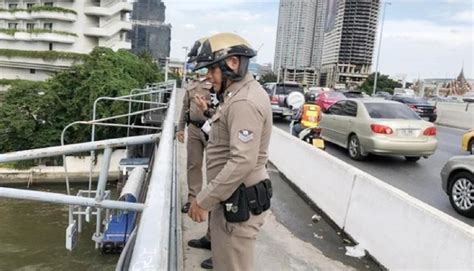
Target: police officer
x: 192, y: 117
x: 239, y: 191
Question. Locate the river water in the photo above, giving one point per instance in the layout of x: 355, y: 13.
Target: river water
x: 32, y: 236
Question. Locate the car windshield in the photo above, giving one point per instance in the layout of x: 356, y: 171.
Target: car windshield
x: 414, y: 100
x: 334, y: 95
x: 353, y: 95
x: 390, y: 111
x: 287, y: 89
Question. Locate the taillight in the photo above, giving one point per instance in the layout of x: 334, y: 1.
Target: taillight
x: 317, y: 131
x: 381, y: 129
x: 413, y: 107
x: 274, y: 99
x: 430, y: 131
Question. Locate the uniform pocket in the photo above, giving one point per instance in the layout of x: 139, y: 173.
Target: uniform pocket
x: 247, y: 229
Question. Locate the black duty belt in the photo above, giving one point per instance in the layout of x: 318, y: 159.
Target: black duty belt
x: 198, y: 124
x: 245, y: 200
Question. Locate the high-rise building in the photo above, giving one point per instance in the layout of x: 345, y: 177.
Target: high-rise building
x: 41, y: 37
x: 300, y: 34
x: 349, y: 42
x: 150, y: 32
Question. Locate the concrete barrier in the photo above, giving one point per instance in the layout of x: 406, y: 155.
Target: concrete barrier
x: 398, y: 230
x: 459, y: 115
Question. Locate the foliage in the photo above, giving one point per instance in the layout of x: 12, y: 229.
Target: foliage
x: 11, y: 31
x: 11, y: 81
x: 34, y: 114
x: 268, y: 77
x: 383, y: 84
x: 47, y: 55
x: 40, y: 8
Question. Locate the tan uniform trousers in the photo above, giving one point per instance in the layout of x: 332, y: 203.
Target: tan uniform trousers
x: 195, y: 146
x: 233, y: 244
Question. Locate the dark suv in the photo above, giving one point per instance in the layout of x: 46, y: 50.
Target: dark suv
x: 278, y: 93
x: 419, y: 105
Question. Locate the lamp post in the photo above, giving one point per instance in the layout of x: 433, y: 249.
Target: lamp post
x: 184, y: 66
x: 167, y: 59
x: 380, y: 47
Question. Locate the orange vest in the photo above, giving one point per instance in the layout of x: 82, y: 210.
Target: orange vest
x: 311, y: 116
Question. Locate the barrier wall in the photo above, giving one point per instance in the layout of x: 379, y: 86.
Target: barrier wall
x: 459, y: 115
x: 400, y: 231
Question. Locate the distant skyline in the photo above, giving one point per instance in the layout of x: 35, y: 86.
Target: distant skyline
x: 422, y: 38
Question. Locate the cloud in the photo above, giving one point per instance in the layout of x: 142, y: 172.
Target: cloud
x: 465, y: 16
x: 424, y: 49
x: 189, y: 26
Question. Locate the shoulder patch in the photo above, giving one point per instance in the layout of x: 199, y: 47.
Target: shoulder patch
x: 245, y: 136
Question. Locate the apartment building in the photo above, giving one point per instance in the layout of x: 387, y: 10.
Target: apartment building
x: 41, y: 37
x: 349, y: 42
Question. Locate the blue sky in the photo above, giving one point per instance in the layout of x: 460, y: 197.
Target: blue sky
x: 422, y: 38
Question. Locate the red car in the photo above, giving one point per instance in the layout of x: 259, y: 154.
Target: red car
x: 328, y: 98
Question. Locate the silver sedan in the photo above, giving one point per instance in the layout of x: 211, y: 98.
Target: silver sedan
x: 382, y: 127
x: 457, y: 180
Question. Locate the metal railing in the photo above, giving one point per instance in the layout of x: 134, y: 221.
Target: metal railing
x: 156, y: 231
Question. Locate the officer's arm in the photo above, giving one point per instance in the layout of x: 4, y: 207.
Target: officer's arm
x: 184, y: 109
x: 244, y: 150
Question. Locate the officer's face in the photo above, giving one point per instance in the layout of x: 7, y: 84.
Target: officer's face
x: 214, y: 73
x: 214, y: 76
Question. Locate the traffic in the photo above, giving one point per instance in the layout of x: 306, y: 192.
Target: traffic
x: 383, y: 127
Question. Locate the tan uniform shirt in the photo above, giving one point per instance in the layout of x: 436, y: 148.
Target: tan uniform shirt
x: 238, y: 144
x: 189, y: 105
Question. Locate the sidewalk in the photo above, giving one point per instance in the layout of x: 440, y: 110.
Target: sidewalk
x: 277, y: 248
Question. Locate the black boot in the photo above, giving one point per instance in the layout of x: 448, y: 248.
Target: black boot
x: 203, y: 243
x: 207, y: 264
x: 185, y: 207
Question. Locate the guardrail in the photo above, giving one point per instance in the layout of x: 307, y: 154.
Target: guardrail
x: 401, y: 232
x: 155, y: 245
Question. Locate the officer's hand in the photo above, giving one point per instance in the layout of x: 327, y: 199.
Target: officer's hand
x: 180, y: 136
x: 196, y: 213
x: 201, y: 102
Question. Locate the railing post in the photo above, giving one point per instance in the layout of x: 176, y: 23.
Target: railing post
x: 104, y: 169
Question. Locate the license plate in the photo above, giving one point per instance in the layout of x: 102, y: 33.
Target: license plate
x: 426, y: 118
x: 408, y: 132
x: 318, y: 143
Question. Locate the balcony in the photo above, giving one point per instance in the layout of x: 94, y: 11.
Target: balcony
x: 109, y: 29
x: 37, y: 35
x: 109, y: 9
x: 40, y: 12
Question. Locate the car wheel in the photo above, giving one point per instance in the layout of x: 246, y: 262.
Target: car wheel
x: 354, y: 148
x: 432, y: 119
x: 412, y: 158
x: 471, y: 146
x: 462, y: 194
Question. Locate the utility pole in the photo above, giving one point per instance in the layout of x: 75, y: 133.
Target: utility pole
x: 184, y: 66
x: 167, y: 59
x: 380, y: 47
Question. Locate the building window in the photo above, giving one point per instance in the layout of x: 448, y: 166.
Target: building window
x: 48, y: 26
x: 12, y: 6
x: 51, y: 46
x: 30, y: 26
x: 30, y: 5
x: 12, y: 25
x: 32, y: 71
x: 48, y: 4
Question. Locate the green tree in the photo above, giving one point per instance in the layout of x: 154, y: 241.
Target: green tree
x: 34, y: 114
x: 268, y: 77
x: 383, y: 84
